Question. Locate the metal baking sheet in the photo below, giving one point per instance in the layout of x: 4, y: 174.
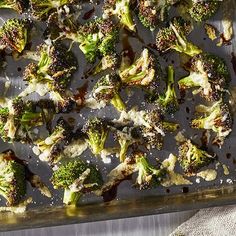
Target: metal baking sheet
x: 48, y: 212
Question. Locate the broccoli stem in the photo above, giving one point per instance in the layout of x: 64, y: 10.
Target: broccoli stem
x: 71, y: 198
x: 188, y: 48
x: 118, y: 103
x: 124, y: 145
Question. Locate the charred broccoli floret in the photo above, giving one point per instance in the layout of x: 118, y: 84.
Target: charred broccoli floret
x: 107, y: 90
x: 125, y: 138
x: 76, y: 178
x: 209, y: 73
x: 14, y: 34
x: 149, y: 176
x: 143, y: 71
x: 96, y: 37
x: 192, y: 158
x: 122, y: 10
x: 202, y: 11
x: 151, y: 124
x: 12, y: 178
x: 168, y: 101
x: 151, y: 12
x: 50, y: 149
x: 51, y: 74
x: 17, y: 119
x: 216, y: 118
x: 41, y: 9
x: 108, y: 62
x: 96, y: 131
x: 16, y: 5
x: 174, y: 37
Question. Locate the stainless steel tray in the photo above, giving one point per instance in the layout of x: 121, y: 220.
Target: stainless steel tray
x: 129, y: 201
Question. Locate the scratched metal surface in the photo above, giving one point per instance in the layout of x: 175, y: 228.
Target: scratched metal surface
x: 125, y: 190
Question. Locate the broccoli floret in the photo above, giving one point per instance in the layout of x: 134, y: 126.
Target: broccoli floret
x: 51, y: 74
x: 154, y: 11
x: 16, y: 5
x: 50, y: 149
x: 209, y: 73
x: 17, y: 119
x: 96, y: 37
x: 143, y: 71
x: 41, y: 9
x: 149, y: 176
x: 174, y: 37
x: 122, y: 10
x: 216, y: 118
x: 168, y: 102
x: 14, y: 34
x: 108, y: 62
x: 76, y: 178
x: 96, y: 131
x: 12, y: 178
x: 202, y: 11
x: 192, y: 158
x: 107, y: 90
x: 125, y: 138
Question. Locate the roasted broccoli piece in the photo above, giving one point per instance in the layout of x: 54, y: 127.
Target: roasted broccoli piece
x: 143, y: 71
x: 96, y: 37
x: 192, y: 158
x: 154, y: 11
x: 149, y: 176
x: 216, y: 118
x: 12, y: 178
x: 14, y: 34
x: 51, y: 149
x: 203, y: 10
x: 109, y: 62
x: 168, y: 101
x: 17, y: 119
x: 41, y: 9
x: 209, y: 73
x: 76, y: 178
x: 126, y: 138
x: 174, y: 37
x: 152, y: 125
x: 96, y: 131
x: 51, y: 74
x: 122, y: 10
x: 107, y: 90
x: 16, y: 5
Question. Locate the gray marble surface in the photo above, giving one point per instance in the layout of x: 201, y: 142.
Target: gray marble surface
x: 156, y: 225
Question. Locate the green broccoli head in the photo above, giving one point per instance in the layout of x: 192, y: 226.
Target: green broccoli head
x: 191, y: 158
x: 109, y: 62
x: 202, y: 11
x: 142, y: 72
x: 76, y: 178
x: 107, y: 90
x: 14, y: 34
x: 153, y: 12
x: 96, y: 37
x: 96, y: 131
x: 12, y: 178
x: 122, y: 10
x: 149, y: 176
x: 174, y: 37
x: 168, y: 101
x: 216, y: 118
x: 209, y: 73
x: 17, y: 119
x: 50, y: 149
x: 125, y: 138
x: 16, y: 5
x: 41, y: 10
